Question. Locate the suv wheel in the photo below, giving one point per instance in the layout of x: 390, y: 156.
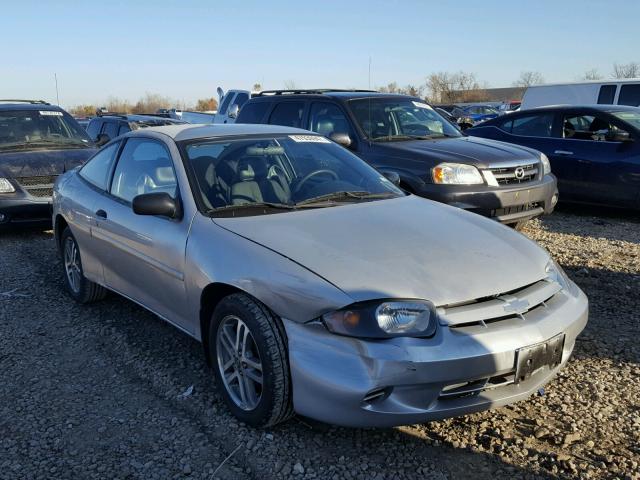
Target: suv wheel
x: 81, y: 289
x: 249, y: 351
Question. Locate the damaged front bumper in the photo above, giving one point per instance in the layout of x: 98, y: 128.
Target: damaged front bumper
x: 382, y: 383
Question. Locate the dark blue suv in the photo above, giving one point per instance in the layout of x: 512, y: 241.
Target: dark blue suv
x: 38, y: 142
x: 402, y: 135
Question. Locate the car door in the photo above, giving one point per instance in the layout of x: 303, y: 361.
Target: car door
x: 602, y: 163
x: 143, y: 256
x: 540, y: 132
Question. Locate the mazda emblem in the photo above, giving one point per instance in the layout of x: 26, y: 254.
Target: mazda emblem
x: 519, y: 173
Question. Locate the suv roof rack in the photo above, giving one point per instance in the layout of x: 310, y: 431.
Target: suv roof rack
x: 302, y: 91
x: 16, y: 100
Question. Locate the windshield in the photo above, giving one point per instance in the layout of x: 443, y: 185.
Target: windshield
x: 282, y: 173
x: 386, y: 119
x: 632, y: 118
x: 40, y: 127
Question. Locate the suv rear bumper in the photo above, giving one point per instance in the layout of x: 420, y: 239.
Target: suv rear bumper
x: 506, y: 205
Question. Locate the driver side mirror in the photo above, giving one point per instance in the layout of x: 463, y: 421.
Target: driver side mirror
x: 393, y: 177
x: 233, y: 111
x: 102, y: 139
x: 157, y: 203
x: 342, y: 139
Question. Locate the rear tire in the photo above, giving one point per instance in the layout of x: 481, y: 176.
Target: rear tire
x: 248, y: 350
x: 76, y: 284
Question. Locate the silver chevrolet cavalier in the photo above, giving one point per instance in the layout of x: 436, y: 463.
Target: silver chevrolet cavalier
x: 315, y: 285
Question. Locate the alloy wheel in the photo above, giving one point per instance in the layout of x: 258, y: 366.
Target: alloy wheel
x: 72, y: 264
x: 239, y: 362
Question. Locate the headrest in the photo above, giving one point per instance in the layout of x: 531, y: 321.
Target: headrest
x: 259, y: 151
x: 246, y: 173
x: 165, y: 174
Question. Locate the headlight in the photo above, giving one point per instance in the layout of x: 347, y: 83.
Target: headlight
x: 456, y: 174
x: 5, y: 186
x: 546, y: 165
x: 557, y: 274
x: 394, y: 318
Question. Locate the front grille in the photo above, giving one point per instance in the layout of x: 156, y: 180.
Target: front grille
x: 515, y: 175
x: 475, y: 387
x: 509, y: 306
x: 38, y: 186
x: 498, y: 212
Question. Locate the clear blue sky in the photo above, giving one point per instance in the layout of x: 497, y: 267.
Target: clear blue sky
x: 185, y: 49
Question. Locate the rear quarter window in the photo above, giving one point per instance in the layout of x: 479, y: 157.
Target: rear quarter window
x: 287, y: 114
x: 94, y: 128
x: 253, y: 112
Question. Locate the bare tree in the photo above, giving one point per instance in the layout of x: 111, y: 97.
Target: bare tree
x: 390, y: 88
x: 116, y: 105
x: 151, y: 103
x: 446, y: 87
x: 206, y: 104
x: 592, y: 74
x: 528, y: 78
x: 290, y: 85
x: 83, y: 110
x: 257, y: 87
x: 626, y: 70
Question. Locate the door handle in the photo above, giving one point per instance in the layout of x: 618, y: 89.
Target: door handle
x: 101, y: 213
x: 563, y: 152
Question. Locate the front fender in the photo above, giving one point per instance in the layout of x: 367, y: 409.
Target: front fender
x: 216, y: 255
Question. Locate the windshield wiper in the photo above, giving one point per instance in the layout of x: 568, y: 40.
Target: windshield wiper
x: 62, y: 142
x: 345, y: 195
x: 391, y: 138
x: 228, y: 210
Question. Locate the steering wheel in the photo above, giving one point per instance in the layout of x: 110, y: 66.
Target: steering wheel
x: 308, y: 176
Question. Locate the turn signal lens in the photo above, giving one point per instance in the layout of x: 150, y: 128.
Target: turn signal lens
x: 5, y: 186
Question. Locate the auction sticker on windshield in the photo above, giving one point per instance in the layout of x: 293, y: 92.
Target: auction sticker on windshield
x: 50, y: 112
x: 422, y: 105
x: 309, y: 138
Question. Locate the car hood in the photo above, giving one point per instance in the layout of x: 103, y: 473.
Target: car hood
x: 41, y: 162
x: 476, y: 151
x: 407, y: 247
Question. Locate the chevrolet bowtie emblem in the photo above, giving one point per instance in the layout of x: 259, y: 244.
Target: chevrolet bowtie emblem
x: 515, y: 305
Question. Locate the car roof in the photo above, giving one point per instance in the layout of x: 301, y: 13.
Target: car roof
x: 190, y: 131
x: 29, y: 106
x: 343, y: 95
x: 132, y: 117
x: 598, y: 107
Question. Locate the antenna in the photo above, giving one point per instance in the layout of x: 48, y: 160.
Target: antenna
x: 369, y: 72
x: 55, y: 75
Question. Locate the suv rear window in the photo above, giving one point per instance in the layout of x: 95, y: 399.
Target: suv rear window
x: 253, y: 112
x: 287, y: 114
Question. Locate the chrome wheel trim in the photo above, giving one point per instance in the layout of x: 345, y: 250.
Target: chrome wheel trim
x: 72, y: 264
x: 239, y: 364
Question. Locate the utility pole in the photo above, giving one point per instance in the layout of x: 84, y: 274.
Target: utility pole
x: 55, y: 75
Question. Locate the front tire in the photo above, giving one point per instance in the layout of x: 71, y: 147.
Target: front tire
x: 249, y: 353
x: 76, y: 284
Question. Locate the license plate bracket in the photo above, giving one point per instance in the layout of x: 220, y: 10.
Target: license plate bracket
x: 534, y: 357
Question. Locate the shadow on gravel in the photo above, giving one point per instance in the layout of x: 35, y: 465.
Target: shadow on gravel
x: 614, y: 317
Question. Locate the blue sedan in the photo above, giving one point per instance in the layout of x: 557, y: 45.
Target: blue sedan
x: 594, y: 150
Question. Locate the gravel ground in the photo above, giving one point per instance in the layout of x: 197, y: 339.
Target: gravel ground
x: 101, y: 391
